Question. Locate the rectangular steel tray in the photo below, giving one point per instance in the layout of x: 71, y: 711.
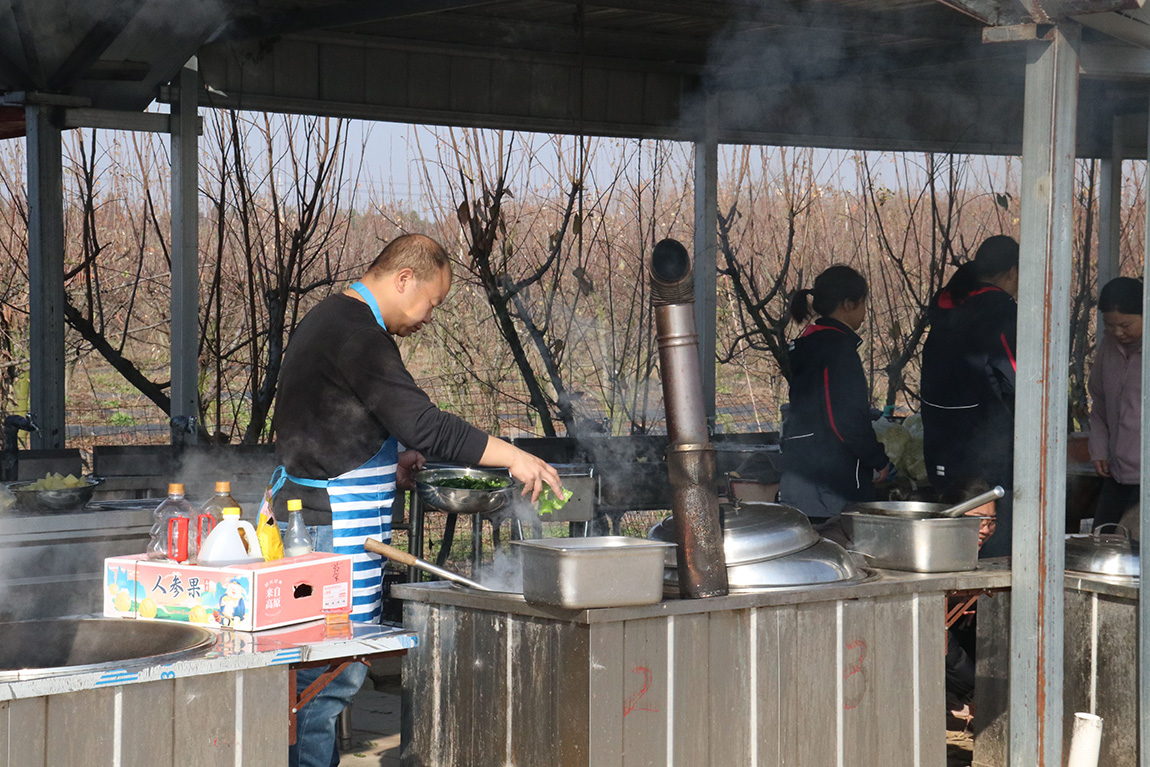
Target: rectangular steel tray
x: 929, y: 545
x: 603, y: 571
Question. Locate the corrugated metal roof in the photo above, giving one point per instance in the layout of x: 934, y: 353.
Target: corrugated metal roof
x: 785, y: 70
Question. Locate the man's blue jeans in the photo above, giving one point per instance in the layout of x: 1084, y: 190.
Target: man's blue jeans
x: 315, y: 744
x: 315, y: 723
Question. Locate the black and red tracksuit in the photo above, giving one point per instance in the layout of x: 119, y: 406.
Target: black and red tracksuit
x: 968, y: 377
x: 829, y: 444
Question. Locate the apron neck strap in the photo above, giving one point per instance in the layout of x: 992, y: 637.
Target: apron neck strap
x: 372, y: 304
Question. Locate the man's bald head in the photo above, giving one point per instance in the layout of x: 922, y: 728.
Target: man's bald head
x: 425, y: 257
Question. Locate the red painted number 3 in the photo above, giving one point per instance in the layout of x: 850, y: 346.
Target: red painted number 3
x: 854, y: 675
x: 632, y: 702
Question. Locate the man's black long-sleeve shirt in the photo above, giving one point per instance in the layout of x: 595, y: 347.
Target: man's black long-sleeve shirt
x: 343, y: 391
x: 968, y: 380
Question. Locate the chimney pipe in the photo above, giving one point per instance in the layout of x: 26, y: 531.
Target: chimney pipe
x: 690, y: 454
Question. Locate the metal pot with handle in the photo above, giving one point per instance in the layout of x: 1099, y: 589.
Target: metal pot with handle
x: 1114, y: 554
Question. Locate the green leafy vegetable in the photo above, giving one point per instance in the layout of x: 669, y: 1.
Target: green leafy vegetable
x: 472, y: 483
x: 549, y: 504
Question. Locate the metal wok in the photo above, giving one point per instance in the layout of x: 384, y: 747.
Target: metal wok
x: 44, y: 648
x: 461, y: 500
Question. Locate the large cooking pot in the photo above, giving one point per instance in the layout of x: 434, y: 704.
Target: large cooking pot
x: 908, y: 509
x: 1113, y: 554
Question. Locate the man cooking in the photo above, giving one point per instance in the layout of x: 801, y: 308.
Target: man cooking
x: 345, y: 403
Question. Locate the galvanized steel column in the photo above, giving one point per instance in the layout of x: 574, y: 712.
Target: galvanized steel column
x: 1041, y: 401
x: 46, y: 274
x: 1110, y: 210
x: 1144, y: 519
x: 706, y: 241
x: 185, y: 247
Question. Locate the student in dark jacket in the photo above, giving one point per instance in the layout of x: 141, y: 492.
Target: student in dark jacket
x: 831, y: 455
x: 968, y: 376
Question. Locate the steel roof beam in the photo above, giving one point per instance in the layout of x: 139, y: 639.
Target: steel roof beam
x: 551, y: 56
x: 32, y: 67
x: 332, y: 16
x: 12, y: 77
x: 546, y: 38
x: 110, y: 119
x: 94, y: 43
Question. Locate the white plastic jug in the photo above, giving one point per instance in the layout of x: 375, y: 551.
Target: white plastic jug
x: 231, y: 542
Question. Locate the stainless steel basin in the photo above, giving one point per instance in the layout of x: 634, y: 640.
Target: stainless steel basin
x: 457, y: 500
x: 42, y: 648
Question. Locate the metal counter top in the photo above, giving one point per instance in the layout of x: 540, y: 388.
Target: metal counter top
x: 234, y: 651
x: 1114, y: 586
x: 991, y: 575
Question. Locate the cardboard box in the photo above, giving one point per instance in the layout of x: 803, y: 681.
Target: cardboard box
x: 241, y: 597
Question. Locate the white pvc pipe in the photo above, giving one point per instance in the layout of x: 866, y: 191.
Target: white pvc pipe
x: 1085, y: 741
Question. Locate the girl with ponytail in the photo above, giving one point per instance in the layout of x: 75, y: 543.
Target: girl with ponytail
x: 831, y: 455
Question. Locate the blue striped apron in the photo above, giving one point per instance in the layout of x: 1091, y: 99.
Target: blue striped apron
x: 360, y: 509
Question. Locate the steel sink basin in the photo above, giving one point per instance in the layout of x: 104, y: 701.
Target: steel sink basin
x: 55, y: 647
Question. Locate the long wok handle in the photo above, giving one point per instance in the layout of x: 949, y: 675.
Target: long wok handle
x: 978, y: 500
x: 377, y: 547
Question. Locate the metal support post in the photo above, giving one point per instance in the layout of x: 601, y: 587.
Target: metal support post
x: 1110, y: 212
x: 706, y: 239
x: 1036, y: 644
x: 1144, y: 519
x: 46, y: 274
x: 185, y: 249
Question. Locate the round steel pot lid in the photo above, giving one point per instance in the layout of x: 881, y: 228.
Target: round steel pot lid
x: 1103, y: 554
x: 824, y: 562
x: 752, y: 532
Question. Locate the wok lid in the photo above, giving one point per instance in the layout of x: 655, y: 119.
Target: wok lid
x: 752, y: 532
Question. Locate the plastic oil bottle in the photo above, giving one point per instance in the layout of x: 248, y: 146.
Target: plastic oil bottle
x: 231, y: 542
x: 297, y: 541
x: 171, y: 536
x: 222, y: 499
x: 212, y: 512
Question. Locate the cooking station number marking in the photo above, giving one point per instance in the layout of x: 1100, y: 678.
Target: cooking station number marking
x: 854, y: 690
x: 632, y: 703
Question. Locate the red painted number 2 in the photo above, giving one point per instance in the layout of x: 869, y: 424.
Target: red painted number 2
x: 632, y: 702
x: 854, y: 675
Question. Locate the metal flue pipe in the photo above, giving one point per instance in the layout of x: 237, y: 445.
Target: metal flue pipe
x: 690, y: 454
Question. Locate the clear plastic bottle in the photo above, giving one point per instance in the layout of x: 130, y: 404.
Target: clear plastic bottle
x: 212, y: 512
x: 298, y: 540
x: 172, y: 533
x: 232, y: 542
x: 221, y: 500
